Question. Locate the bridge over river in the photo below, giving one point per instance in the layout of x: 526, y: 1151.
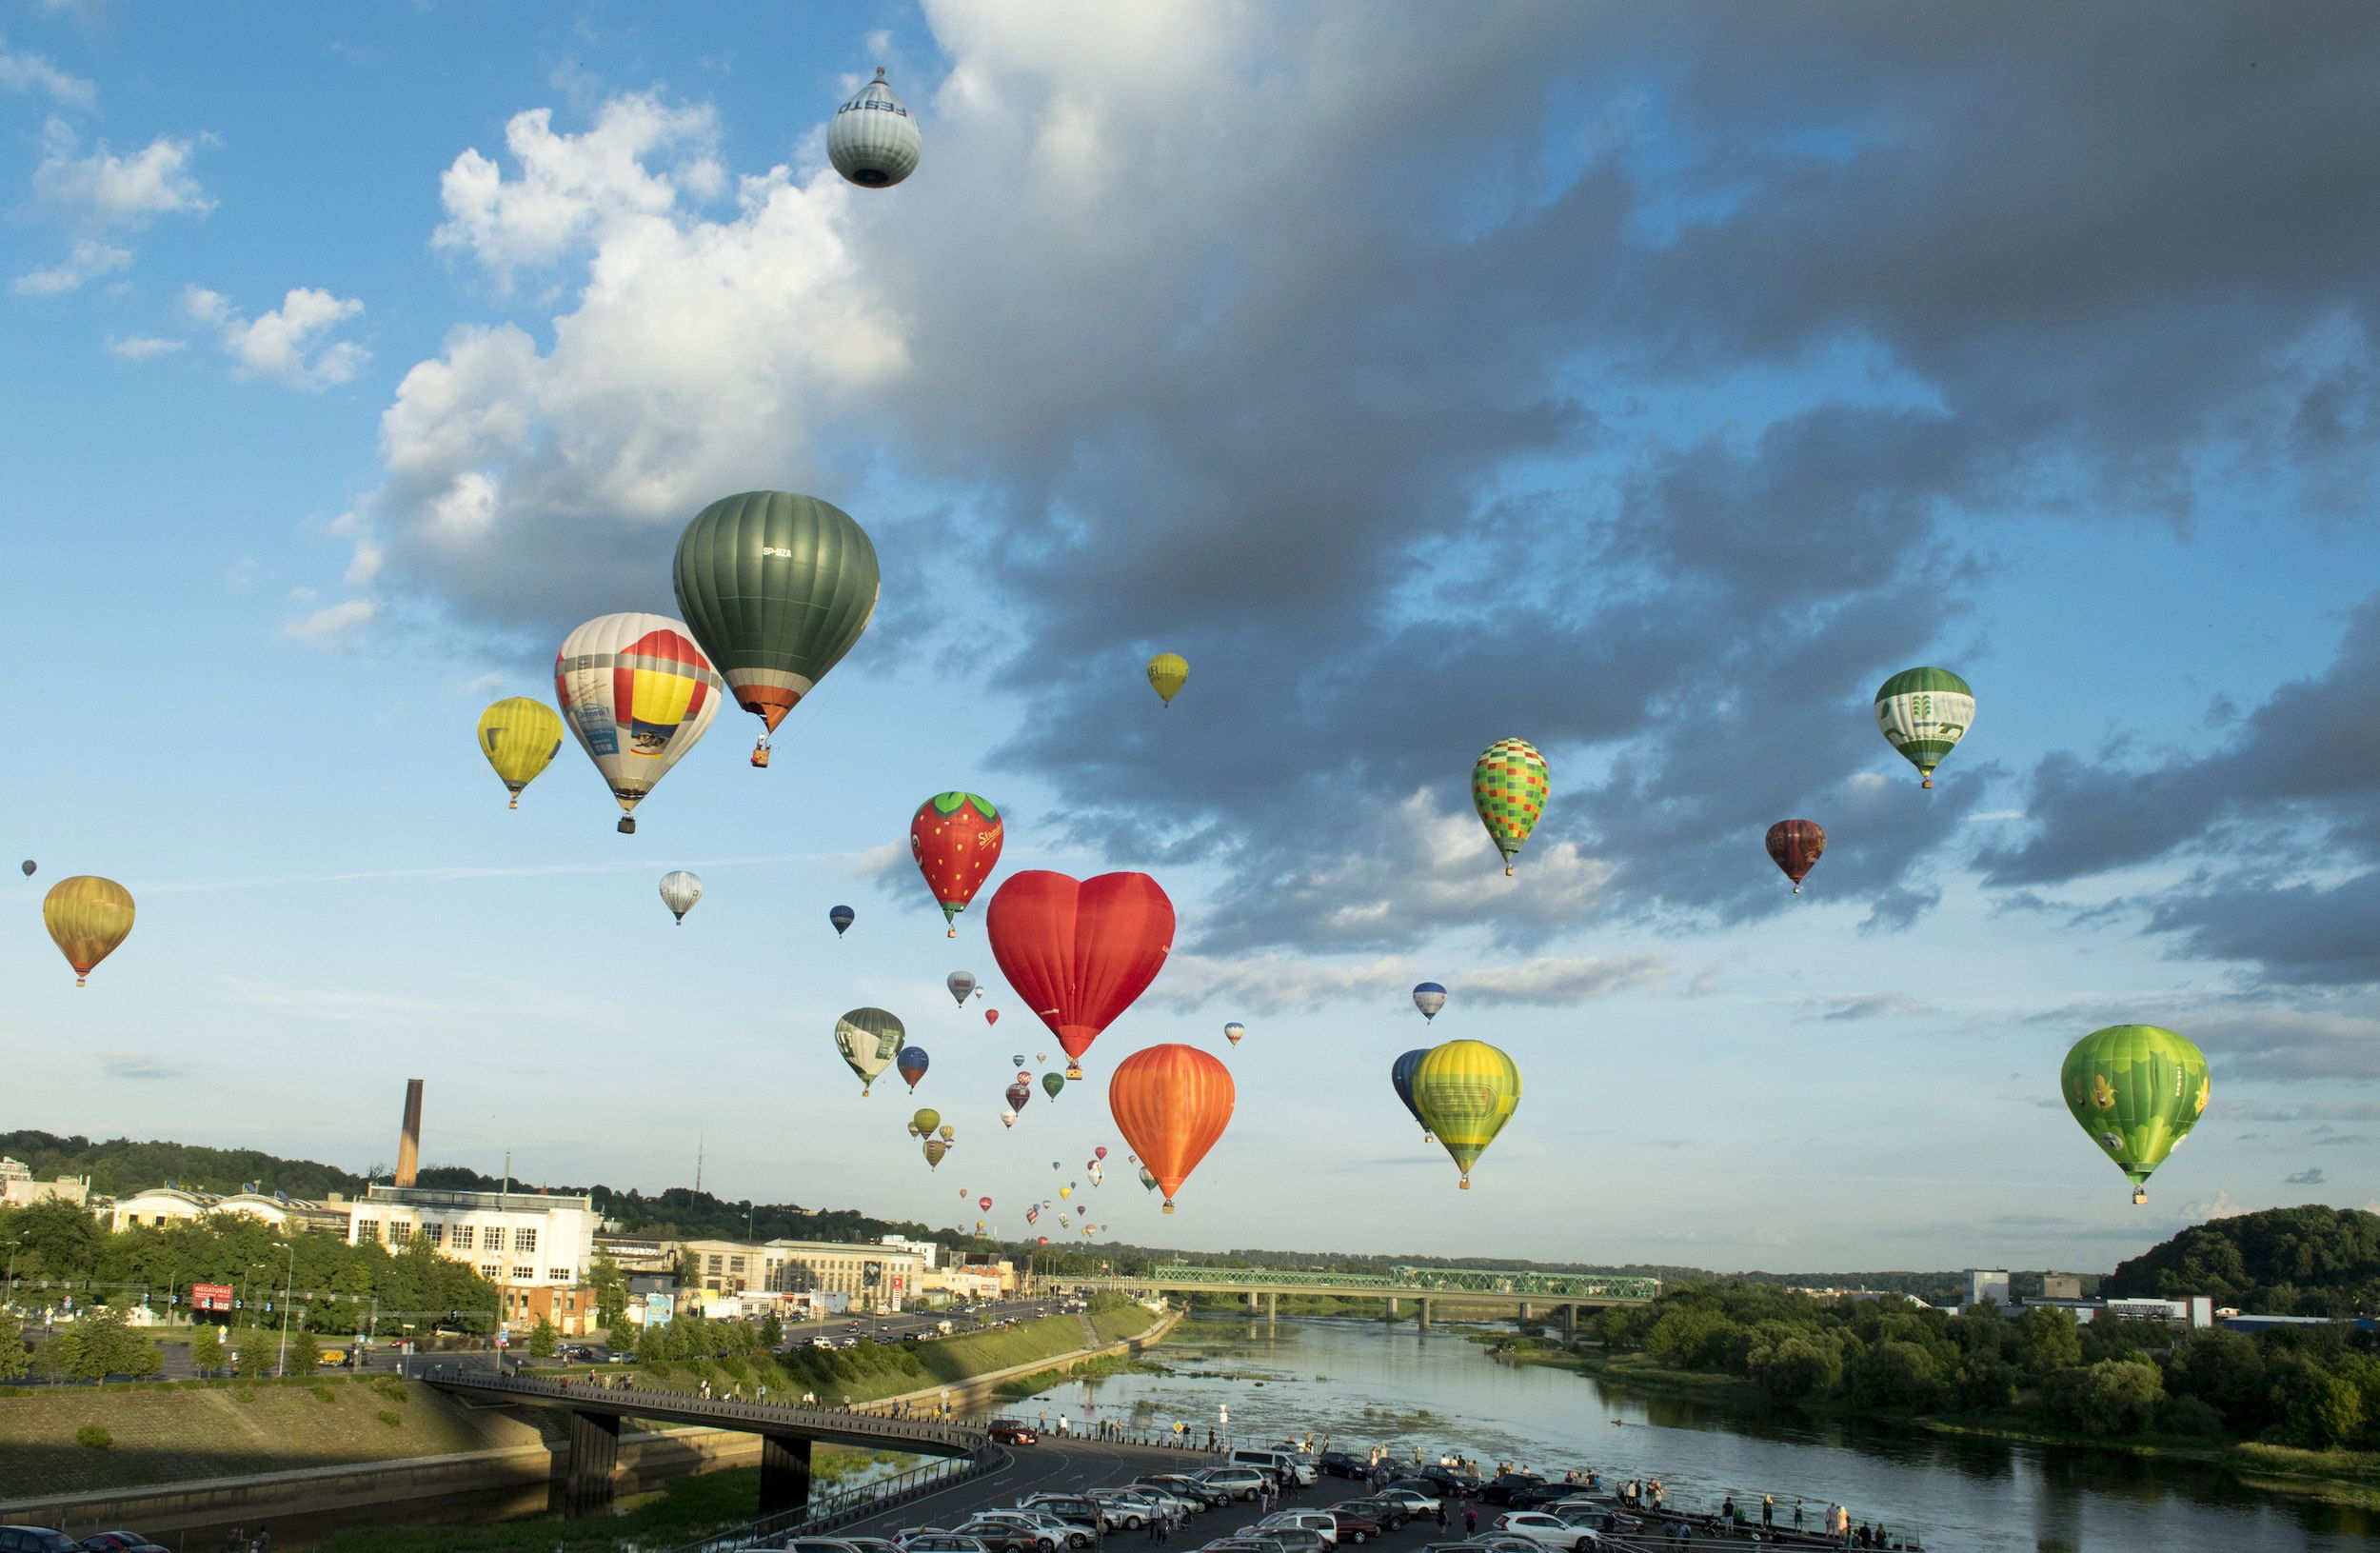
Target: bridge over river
x: 1530, y: 1291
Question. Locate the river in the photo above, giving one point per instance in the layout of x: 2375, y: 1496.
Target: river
x: 1367, y: 1383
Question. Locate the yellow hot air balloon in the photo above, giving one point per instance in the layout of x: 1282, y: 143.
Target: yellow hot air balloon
x: 1465, y: 1091
x: 1168, y: 673
x: 519, y: 738
x: 87, y: 917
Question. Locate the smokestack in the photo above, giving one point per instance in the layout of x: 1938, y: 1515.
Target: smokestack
x: 409, y: 1141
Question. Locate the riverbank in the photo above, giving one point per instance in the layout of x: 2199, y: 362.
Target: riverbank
x: 2345, y: 1478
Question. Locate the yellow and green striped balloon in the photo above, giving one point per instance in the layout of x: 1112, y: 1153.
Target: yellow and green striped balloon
x: 1464, y: 1092
x: 1923, y: 713
x: 2137, y: 1089
x: 1509, y: 787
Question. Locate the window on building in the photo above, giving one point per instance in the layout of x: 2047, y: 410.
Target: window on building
x: 488, y: 1270
x: 525, y: 1240
x: 735, y: 1264
x: 435, y: 1234
x: 463, y: 1234
x: 367, y: 1229
x: 710, y: 1264
x: 557, y: 1275
x: 400, y: 1232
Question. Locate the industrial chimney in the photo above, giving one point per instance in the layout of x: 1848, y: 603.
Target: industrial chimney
x: 409, y: 1142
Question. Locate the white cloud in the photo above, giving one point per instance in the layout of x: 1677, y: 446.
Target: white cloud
x: 32, y: 72
x: 2218, y: 1206
x: 1858, y: 1005
x: 106, y: 189
x: 90, y: 259
x: 144, y: 347
x: 333, y: 626
x: 134, y: 1064
x: 1270, y: 983
x: 273, y: 345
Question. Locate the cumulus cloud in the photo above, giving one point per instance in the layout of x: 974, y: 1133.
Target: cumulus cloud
x: 291, y: 342
x: 2220, y: 1205
x: 144, y: 347
x: 89, y: 260
x: 1413, y: 426
x: 103, y: 188
x: 1270, y: 983
x: 35, y: 73
x: 335, y: 624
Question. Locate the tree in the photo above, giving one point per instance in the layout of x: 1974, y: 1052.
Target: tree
x: 305, y: 1353
x: 772, y: 1332
x: 544, y: 1339
x: 207, y: 1348
x: 60, y: 1239
x: 2047, y: 1342
x: 1894, y: 1373
x: 1800, y: 1365
x: 253, y: 1354
x: 2114, y: 1396
x: 14, y: 1359
x: 2326, y: 1260
x: 611, y: 1290
x: 60, y: 1356
x: 110, y: 1345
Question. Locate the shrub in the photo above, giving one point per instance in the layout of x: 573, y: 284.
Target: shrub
x: 393, y: 1420
x: 93, y: 1436
x: 323, y: 1393
x: 244, y: 1394
x: 2114, y: 1396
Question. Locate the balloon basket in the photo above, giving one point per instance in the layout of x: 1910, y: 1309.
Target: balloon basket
x: 759, y: 755
x: 2140, y: 1195
x: 515, y: 803
x: 1926, y: 784
x: 628, y: 824
x: 78, y: 981
x: 1508, y: 868
x: 1169, y: 1204
x: 1464, y: 1184
x: 1797, y: 890
x: 953, y: 933
x: 1074, y: 1071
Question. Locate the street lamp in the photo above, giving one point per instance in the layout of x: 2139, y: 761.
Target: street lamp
x: 289, y: 1279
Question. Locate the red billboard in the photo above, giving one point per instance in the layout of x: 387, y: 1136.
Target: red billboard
x: 211, y: 1296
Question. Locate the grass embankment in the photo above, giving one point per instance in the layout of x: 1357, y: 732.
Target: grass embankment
x: 1090, y: 1369
x: 180, y: 1431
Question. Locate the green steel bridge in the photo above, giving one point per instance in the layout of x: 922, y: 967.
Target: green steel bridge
x: 1529, y: 1290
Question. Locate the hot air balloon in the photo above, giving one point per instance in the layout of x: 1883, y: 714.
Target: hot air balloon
x: 637, y: 693
x: 873, y: 141
x: 775, y: 587
x: 912, y: 1062
x: 1429, y: 997
x: 979, y: 1226
x: 1171, y: 1103
x: 991, y: 1016
x: 1051, y: 1083
x: 949, y: 1133
x: 1018, y: 1094
x: 983, y: 1203
x: 868, y: 1039
x: 1099, y: 1153
x: 1148, y: 1179
x: 955, y: 837
x: 2137, y: 1089
x: 934, y: 1149
x: 1033, y: 1216
x: 1795, y: 846
x: 28, y: 866
x: 519, y: 737
x: 1400, y: 1078
x: 925, y: 1121
x: 1080, y: 952
x: 1040, y: 1056
x: 88, y: 917
x: 1464, y: 1092
x: 1066, y: 1191
x: 1509, y: 787
x: 960, y: 983
x: 1923, y: 713
x: 843, y: 917
x: 1040, y: 1240
x: 1008, y: 1116
x: 1016, y: 1061
x: 1233, y: 1031
x: 1064, y: 1222
x: 678, y: 892
x: 1168, y: 673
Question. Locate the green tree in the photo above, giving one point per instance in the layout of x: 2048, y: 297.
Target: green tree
x: 14, y: 1359
x: 112, y: 1346
x: 252, y: 1354
x: 305, y: 1353
x: 1804, y: 1364
x: 1894, y: 1373
x: 2047, y: 1342
x: 2226, y: 1370
x: 772, y: 1333
x: 61, y: 1357
x: 611, y: 1290
x: 544, y: 1339
x: 207, y: 1348
x: 2112, y: 1397
x: 60, y: 1239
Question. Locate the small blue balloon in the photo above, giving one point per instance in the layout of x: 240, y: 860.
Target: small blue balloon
x: 843, y: 917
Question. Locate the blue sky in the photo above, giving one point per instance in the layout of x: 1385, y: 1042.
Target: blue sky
x: 1648, y: 388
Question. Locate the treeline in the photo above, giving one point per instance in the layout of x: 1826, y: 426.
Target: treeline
x: 2309, y: 1260
x: 337, y: 1286
x: 2316, y: 1387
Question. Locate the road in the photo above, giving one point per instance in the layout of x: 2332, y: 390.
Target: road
x: 1070, y: 1466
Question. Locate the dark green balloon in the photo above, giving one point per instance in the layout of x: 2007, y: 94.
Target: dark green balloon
x: 1052, y: 1082
x: 775, y: 587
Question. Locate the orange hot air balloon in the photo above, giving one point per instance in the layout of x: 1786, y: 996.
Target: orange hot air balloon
x: 1171, y: 1103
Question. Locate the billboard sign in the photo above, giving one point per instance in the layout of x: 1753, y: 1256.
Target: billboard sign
x: 211, y: 1296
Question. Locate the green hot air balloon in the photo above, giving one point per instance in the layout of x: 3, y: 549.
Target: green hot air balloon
x: 1052, y: 1082
x: 1924, y: 712
x: 776, y: 589
x: 2137, y: 1089
x: 1465, y: 1091
x: 1509, y: 787
x: 868, y: 1039
x: 926, y: 1119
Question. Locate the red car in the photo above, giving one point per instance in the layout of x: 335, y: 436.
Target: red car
x: 1009, y: 1431
x: 1354, y: 1525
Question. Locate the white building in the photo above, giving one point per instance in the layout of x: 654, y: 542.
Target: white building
x: 160, y: 1205
x: 514, y: 1239
x: 1987, y: 1283
x: 18, y: 1190
x: 930, y: 1250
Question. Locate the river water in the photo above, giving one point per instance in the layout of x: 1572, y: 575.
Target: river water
x: 1368, y: 1384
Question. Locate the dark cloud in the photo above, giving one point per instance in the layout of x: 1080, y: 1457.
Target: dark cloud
x: 1864, y: 1005
x: 2311, y: 1177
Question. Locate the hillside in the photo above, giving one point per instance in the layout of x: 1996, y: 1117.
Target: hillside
x: 2308, y: 1260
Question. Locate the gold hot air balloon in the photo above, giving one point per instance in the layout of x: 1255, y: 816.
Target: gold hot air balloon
x: 1465, y: 1091
x: 87, y: 917
x: 519, y: 738
x: 1168, y: 673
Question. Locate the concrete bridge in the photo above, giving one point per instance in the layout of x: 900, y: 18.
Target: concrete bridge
x: 786, y: 1433
x: 1530, y: 1291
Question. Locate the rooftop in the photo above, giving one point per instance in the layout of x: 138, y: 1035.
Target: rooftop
x: 425, y: 1197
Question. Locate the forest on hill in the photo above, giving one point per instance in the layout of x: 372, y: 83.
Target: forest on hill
x: 2308, y: 1260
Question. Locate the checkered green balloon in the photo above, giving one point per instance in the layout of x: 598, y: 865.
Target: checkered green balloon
x: 1509, y: 787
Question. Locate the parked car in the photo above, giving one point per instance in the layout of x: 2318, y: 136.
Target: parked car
x: 1242, y: 1543
x: 1453, y: 1481
x: 1339, y: 1463
x: 1322, y: 1523
x: 1010, y: 1431
x: 1547, y: 1531
x: 817, y: 1544
x: 1009, y: 1535
x: 1540, y: 1495
x: 1291, y: 1539
x: 1171, y: 1497
x: 1281, y: 1463
x: 1064, y: 1531
x: 1386, y: 1514
x: 934, y: 1540
x: 1500, y: 1489
x: 36, y: 1540
x: 1356, y: 1526
x: 1208, y: 1496
x: 1420, y: 1498
x: 121, y: 1541
x: 1124, y: 1508
x: 1238, y: 1482
x: 1083, y: 1515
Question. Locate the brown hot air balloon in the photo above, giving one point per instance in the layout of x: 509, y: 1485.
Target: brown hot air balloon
x: 1797, y: 845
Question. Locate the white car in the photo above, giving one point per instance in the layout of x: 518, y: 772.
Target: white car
x: 1317, y: 1522
x: 1547, y: 1531
x: 1064, y: 1532
x: 1417, y: 1504
x: 1131, y: 1509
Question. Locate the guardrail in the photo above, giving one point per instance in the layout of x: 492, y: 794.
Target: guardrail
x: 761, y: 1418
x: 1416, y: 1280
x: 838, y: 1507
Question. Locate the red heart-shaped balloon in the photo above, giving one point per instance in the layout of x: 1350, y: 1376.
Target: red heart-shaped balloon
x: 1080, y: 952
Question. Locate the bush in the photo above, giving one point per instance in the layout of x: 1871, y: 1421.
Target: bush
x: 244, y: 1394
x: 323, y: 1393
x: 2114, y: 1396
x: 1895, y: 1374
x: 393, y: 1420
x: 93, y: 1436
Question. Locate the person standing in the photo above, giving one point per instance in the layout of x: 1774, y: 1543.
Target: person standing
x: 1767, y: 1509
x: 1441, y: 1513
x: 1469, y: 1518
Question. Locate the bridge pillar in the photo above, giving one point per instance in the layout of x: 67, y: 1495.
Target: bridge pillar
x: 1393, y: 1307
x: 1570, y: 1324
x: 594, y: 1457
x: 1272, y: 1310
x: 1528, y: 1310
x: 1424, y: 1323
x: 785, y: 1473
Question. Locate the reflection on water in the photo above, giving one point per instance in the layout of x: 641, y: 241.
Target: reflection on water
x: 1364, y: 1383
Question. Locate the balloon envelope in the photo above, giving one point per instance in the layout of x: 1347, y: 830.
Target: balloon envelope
x: 843, y: 917
x: 1465, y: 1091
x: 1148, y: 1179
x: 868, y: 1039
x: 983, y: 1203
x: 991, y: 1016
x: 1099, y: 1153
x: 1923, y: 713
x: 934, y: 1149
x: 912, y: 1062
x: 1401, y: 1074
x: 1796, y: 846
x: 1429, y: 997
x: 28, y: 866
x: 2137, y: 1089
x: 960, y: 983
x: 678, y: 892
x: 637, y: 693
x: 955, y: 837
x: 1171, y: 1102
x: 925, y: 1121
x: 1017, y: 1095
x: 872, y: 140
x: 1078, y: 952
x: 519, y: 737
x: 1233, y: 1031
x: 1051, y: 1083
x: 1168, y: 673
x: 88, y: 917
x: 1509, y: 787
x: 1008, y: 1116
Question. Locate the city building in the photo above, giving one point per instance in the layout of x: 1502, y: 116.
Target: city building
x: 517, y: 1240
x: 18, y: 1190
x: 869, y: 1276
x: 2061, y: 1285
x: 978, y: 1274
x: 930, y: 1250
x: 1986, y: 1283
x: 160, y: 1205
x: 571, y: 1310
